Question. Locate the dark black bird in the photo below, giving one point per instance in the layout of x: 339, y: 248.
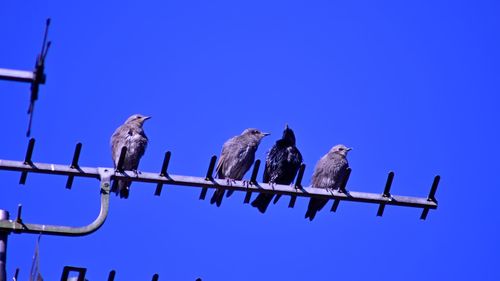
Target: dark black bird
x: 236, y: 158
x: 282, y: 163
x: 130, y: 134
x: 329, y: 173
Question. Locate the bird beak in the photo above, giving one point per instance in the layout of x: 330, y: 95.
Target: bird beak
x: 349, y: 149
x: 265, y: 134
x: 147, y: 118
x: 286, y: 126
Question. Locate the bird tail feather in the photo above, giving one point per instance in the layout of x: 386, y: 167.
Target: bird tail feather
x: 121, y: 188
x: 262, y: 202
x: 217, y: 197
x: 314, y: 206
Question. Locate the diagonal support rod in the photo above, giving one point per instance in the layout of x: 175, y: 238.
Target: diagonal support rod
x: 298, y: 184
x: 342, y: 190
x: 27, y: 160
x: 253, y: 180
x: 74, y: 164
x: 209, y: 176
x: 431, y: 197
x: 163, y: 172
x: 387, y: 193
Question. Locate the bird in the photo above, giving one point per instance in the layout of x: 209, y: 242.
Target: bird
x: 236, y: 158
x: 131, y: 135
x: 283, y: 161
x: 329, y: 173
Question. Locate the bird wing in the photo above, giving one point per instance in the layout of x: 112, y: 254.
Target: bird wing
x: 137, y: 143
x: 117, y: 142
x: 134, y: 139
x: 242, y: 162
x: 282, y: 164
x: 328, y: 172
x: 273, y: 161
x: 224, y: 158
x: 340, y: 172
x: 236, y: 158
x: 140, y: 139
x: 266, y: 177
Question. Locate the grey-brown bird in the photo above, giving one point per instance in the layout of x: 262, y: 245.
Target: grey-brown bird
x: 131, y: 135
x: 329, y: 173
x: 236, y: 158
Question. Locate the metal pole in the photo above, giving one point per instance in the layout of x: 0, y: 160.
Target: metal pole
x: 4, y: 215
x: 17, y: 75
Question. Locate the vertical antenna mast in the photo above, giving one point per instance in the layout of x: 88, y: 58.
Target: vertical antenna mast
x: 39, y: 76
x: 35, y: 77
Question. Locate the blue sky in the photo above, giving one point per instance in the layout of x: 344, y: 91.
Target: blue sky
x: 413, y: 86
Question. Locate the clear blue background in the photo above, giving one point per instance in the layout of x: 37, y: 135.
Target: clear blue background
x: 411, y: 85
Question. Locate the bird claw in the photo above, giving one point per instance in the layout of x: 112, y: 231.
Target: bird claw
x: 336, y: 189
x: 272, y: 184
x: 137, y: 173
x: 230, y: 181
x: 247, y: 183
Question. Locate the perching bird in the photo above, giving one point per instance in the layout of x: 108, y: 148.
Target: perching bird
x: 282, y: 163
x: 329, y: 173
x: 236, y: 159
x: 130, y: 134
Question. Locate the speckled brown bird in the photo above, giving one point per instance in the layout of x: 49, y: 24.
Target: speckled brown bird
x: 236, y: 158
x: 130, y: 134
x: 329, y: 173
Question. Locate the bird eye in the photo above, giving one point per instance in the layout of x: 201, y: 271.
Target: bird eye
x: 341, y: 148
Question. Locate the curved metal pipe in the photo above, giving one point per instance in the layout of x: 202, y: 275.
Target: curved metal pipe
x: 21, y: 227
